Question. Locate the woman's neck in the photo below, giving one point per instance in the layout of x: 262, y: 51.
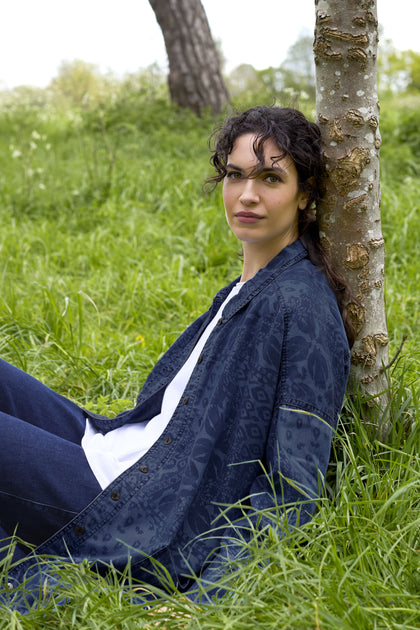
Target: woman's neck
x: 256, y: 257
x: 251, y: 267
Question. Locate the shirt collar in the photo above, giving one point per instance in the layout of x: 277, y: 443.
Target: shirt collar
x: 288, y: 256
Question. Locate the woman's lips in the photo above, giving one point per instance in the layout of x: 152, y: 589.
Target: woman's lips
x: 248, y: 217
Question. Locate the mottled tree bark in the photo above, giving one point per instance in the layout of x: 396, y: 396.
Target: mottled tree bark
x: 345, y: 46
x: 195, y: 77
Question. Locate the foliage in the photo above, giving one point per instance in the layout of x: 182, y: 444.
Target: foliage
x: 109, y: 248
x: 398, y: 70
x: 405, y: 132
x: 78, y: 83
x: 299, y: 69
x: 291, y: 82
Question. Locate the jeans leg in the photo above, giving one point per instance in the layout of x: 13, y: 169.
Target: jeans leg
x: 24, y: 397
x: 45, y: 479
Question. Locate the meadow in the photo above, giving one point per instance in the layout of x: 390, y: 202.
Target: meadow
x: 109, y: 248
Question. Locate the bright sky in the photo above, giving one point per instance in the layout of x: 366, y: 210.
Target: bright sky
x: 123, y: 36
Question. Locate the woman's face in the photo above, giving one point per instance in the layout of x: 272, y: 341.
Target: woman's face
x: 262, y: 208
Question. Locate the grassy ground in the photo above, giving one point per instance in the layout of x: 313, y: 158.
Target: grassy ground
x: 108, y: 249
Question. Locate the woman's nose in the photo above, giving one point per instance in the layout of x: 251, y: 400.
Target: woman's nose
x: 249, y: 194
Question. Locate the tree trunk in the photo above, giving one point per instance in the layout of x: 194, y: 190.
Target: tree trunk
x: 195, y: 78
x: 345, y: 46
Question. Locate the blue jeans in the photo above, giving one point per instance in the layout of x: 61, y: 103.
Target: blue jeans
x: 45, y: 479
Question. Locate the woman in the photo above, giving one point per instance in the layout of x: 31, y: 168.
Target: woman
x: 241, y: 408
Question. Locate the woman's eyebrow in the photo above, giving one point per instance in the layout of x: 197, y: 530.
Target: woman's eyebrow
x: 236, y: 168
x: 270, y: 169
x: 259, y: 170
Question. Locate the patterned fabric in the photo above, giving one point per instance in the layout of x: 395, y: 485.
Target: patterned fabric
x: 254, y: 424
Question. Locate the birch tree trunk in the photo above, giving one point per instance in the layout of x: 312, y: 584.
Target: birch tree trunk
x: 195, y: 77
x: 345, y: 48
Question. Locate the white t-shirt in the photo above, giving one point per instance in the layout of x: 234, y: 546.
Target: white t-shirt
x: 111, y: 454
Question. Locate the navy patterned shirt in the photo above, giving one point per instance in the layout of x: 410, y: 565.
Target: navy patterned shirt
x: 253, y: 428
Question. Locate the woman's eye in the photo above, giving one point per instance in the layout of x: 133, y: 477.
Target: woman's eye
x: 272, y: 179
x: 233, y: 175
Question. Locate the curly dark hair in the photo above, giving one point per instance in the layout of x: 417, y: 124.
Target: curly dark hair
x: 300, y: 139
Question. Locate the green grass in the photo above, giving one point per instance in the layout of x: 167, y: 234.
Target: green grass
x: 108, y: 249
x: 356, y: 565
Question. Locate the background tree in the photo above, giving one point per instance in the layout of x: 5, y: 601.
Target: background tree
x: 78, y: 83
x: 398, y: 70
x: 298, y: 68
x: 293, y: 80
x: 348, y: 113
x: 195, y: 77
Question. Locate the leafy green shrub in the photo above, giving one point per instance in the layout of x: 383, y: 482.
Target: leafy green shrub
x: 400, y: 130
x: 408, y: 131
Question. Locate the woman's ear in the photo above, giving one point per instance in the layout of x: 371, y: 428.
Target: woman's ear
x: 305, y: 194
x: 303, y: 201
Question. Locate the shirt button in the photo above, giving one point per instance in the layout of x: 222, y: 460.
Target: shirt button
x: 200, y: 358
x: 220, y: 322
x: 167, y: 440
x: 185, y: 400
x: 79, y: 530
x: 143, y: 469
x: 115, y: 495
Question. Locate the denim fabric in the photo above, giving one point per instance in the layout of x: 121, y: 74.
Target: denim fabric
x: 255, y: 424
x: 45, y: 479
